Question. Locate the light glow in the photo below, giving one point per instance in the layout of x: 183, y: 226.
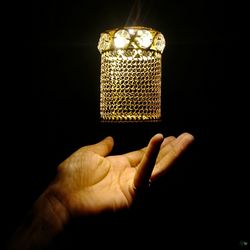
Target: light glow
x: 144, y: 38
x: 130, y: 81
x: 121, y: 39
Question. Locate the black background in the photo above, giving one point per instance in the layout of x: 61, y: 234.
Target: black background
x: 202, y: 200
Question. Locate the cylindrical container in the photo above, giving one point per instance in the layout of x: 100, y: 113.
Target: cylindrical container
x: 130, y: 81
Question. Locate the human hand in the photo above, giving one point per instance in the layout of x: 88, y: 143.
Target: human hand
x: 90, y: 181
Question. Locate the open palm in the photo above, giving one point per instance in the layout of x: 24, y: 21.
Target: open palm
x: 90, y: 181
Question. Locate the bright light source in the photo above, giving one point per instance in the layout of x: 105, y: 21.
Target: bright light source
x: 121, y: 39
x: 130, y: 82
x: 144, y: 38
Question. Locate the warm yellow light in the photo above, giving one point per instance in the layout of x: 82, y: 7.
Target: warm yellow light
x: 130, y: 79
x: 121, y: 39
x: 144, y: 38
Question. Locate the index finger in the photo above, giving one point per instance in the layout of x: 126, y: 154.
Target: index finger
x: 147, y: 163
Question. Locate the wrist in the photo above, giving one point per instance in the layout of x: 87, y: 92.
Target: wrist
x: 46, y: 219
x: 55, y: 209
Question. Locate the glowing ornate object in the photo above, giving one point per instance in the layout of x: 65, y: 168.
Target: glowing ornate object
x: 130, y: 74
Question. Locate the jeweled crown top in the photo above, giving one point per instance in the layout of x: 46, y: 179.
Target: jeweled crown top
x: 133, y: 37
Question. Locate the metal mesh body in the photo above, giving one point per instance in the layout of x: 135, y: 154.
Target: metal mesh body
x: 130, y: 82
x: 130, y: 85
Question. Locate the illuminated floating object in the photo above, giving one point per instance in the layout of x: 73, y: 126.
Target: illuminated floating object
x: 130, y: 82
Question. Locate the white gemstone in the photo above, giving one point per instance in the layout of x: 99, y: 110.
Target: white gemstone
x: 144, y: 38
x: 104, y: 42
x: 160, y: 42
x: 121, y: 39
x: 131, y: 32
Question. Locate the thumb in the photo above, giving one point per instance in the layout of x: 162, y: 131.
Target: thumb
x: 104, y: 147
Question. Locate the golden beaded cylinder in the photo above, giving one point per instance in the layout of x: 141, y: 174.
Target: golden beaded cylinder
x: 130, y: 81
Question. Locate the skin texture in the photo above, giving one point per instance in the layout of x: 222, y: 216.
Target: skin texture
x: 91, y: 181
